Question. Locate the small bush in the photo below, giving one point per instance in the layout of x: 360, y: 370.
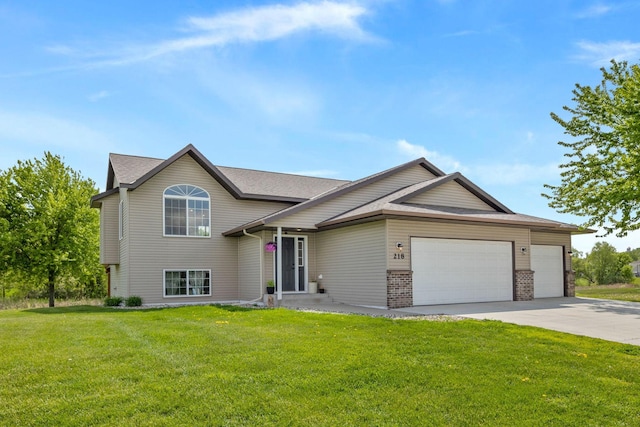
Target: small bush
x: 133, y: 301
x: 113, y: 301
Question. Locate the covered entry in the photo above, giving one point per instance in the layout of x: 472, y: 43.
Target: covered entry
x: 548, y: 268
x: 294, y: 262
x: 450, y: 271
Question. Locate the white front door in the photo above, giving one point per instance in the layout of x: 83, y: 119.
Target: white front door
x: 294, y: 264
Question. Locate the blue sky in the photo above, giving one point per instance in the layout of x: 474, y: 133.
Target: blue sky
x: 327, y: 88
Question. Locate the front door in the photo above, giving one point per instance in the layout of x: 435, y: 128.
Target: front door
x: 294, y: 260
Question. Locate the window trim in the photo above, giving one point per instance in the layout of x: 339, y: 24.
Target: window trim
x: 187, y: 198
x: 187, y: 270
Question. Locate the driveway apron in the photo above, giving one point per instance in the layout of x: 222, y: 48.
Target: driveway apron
x: 606, y: 319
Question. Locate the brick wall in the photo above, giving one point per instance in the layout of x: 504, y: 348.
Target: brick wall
x: 399, y: 288
x: 524, y: 285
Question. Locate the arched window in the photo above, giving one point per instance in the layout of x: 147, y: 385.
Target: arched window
x: 186, y: 211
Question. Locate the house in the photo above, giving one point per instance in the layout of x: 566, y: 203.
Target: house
x: 183, y: 230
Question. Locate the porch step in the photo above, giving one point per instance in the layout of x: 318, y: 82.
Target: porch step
x: 293, y: 300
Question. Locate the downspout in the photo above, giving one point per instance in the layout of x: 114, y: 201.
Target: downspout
x: 259, y: 258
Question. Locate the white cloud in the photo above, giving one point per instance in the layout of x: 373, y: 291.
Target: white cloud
x: 95, y: 97
x: 594, y: 11
x: 444, y: 162
x: 514, y: 174
x: 600, y: 54
x: 281, y: 99
x: 503, y: 174
x: 248, y: 25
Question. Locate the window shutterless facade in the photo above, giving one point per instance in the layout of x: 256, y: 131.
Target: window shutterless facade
x: 186, y: 211
x: 187, y: 283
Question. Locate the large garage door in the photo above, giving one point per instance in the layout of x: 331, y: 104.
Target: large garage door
x: 548, y: 276
x: 447, y: 271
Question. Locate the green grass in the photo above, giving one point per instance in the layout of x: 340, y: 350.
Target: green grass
x: 213, y: 366
x: 621, y: 292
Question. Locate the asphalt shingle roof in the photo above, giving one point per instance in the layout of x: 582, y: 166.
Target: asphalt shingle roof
x: 128, y: 169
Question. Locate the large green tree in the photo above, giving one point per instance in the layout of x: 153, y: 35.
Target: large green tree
x: 601, y: 179
x: 48, y: 232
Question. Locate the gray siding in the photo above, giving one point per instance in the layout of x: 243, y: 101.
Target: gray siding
x: 310, y: 217
x: 151, y: 252
x: 250, y: 285
x: 352, y: 263
x: 109, y: 245
x: 554, y: 239
x: 402, y: 231
x: 120, y: 280
x: 450, y: 194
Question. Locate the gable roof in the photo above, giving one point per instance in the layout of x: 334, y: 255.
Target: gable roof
x: 336, y: 192
x: 396, y: 205
x: 306, y: 192
x: 132, y: 171
x: 462, y: 181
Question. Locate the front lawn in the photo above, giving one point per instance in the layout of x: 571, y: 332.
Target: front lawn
x: 228, y: 366
x: 622, y: 292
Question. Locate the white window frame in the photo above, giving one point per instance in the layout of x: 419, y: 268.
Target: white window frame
x: 186, y: 198
x: 188, y: 271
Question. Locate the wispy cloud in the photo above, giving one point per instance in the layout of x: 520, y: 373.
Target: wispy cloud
x: 462, y: 33
x: 487, y: 173
x: 514, y: 174
x: 594, y: 11
x: 600, y: 54
x: 241, y: 26
x: 447, y: 163
x: 95, y: 97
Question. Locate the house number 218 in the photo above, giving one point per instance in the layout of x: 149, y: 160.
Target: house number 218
x: 398, y: 256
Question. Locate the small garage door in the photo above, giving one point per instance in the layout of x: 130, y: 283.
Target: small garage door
x: 548, y: 276
x: 448, y: 271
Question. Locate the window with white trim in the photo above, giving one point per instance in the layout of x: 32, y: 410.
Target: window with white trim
x: 187, y: 283
x: 186, y: 211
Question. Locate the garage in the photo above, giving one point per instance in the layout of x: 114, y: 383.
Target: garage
x: 450, y: 271
x: 548, y: 268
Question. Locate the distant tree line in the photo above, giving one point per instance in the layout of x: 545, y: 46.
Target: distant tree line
x: 604, y: 265
x: 49, y: 234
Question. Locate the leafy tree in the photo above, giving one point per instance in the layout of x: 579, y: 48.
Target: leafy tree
x: 48, y: 231
x: 605, y: 266
x: 601, y: 179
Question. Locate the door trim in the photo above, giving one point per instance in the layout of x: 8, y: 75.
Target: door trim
x: 305, y: 260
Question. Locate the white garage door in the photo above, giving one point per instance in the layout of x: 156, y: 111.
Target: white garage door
x: 548, y: 276
x: 448, y: 271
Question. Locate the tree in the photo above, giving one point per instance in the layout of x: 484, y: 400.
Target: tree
x: 601, y: 179
x: 604, y: 265
x: 48, y: 231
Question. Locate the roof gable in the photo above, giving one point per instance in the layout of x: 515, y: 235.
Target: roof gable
x: 453, y: 190
x: 133, y: 171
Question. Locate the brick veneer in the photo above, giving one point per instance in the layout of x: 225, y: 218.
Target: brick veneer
x: 524, y: 285
x: 399, y: 288
x: 569, y: 284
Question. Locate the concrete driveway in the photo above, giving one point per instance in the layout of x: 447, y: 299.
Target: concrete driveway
x: 610, y: 320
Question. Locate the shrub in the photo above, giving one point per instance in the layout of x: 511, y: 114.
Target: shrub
x: 113, y: 301
x: 133, y: 301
